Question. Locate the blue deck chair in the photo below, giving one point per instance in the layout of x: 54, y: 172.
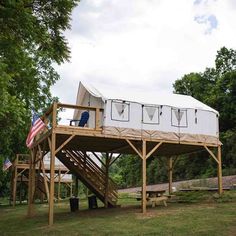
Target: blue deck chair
x: 84, y: 118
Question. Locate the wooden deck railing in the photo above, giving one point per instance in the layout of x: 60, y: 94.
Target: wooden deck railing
x: 50, y: 117
x: 21, y: 159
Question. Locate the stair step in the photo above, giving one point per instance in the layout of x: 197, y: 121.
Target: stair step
x: 90, y: 174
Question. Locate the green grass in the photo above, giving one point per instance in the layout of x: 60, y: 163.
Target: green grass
x: 198, y: 214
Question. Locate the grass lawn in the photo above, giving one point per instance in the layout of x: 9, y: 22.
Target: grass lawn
x: 193, y: 214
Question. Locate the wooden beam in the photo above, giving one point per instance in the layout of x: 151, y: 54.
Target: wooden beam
x: 31, y: 183
x: 153, y: 150
x: 170, y: 173
x: 117, y: 150
x: 21, y: 172
x: 97, y: 119
x: 134, y: 148
x: 106, y: 180
x: 49, y: 143
x: 45, y: 180
x: 99, y: 159
x: 174, y: 161
x: 42, y: 153
x: 65, y: 174
x: 83, y: 131
x: 38, y: 153
x: 14, y: 186
x: 64, y: 143
x: 21, y: 185
x: 115, y: 159
x: 52, y: 172
x: 76, y: 186
x: 52, y: 166
x: 71, y: 189
x: 219, y: 171
x: 190, y: 143
x: 33, y: 176
x: 144, y: 178
x: 63, y: 105
x: 211, y: 153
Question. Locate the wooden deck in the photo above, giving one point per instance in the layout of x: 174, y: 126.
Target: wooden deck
x: 61, y: 139
x: 20, y: 174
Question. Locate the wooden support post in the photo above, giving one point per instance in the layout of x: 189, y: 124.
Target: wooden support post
x: 219, y: 171
x: 71, y: 189
x: 45, y: 179
x: 107, y: 164
x: 33, y: 176
x: 52, y: 173
x: 76, y: 186
x: 59, y: 185
x: 170, y: 173
x: 144, y: 178
x: 97, y: 119
x: 31, y: 182
x: 52, y: 165
x: 14, y: 186
x: 21, y: 185
x: 30, y: 186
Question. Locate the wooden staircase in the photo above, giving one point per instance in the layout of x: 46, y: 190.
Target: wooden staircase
x: 39, y: 182
x: 90, y: 174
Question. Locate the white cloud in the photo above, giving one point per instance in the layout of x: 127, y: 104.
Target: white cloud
x: 140, y: 43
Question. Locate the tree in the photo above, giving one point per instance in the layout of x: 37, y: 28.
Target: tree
x: 217, y: 88
x: 31, y: 40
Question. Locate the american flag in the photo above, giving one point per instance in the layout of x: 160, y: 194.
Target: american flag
x: 7, y: 164
x: 37, y: 125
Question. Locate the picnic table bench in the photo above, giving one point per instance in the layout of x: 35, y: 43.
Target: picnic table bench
x: 154, y: 196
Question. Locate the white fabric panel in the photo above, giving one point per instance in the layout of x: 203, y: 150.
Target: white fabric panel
x: 120, y: 111
x: 114, y: 119
x: 200, y: 122
x: 179, y: 117
x: 150, y: 114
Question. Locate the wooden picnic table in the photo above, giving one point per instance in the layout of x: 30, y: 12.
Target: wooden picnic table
x: 155, y: 196
x: 155, y: 193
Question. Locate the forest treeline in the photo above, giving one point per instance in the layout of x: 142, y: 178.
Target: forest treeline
x: 215, y: 87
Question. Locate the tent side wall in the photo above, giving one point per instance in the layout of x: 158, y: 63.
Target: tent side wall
x: 86, y: 99
x: 143, y: 119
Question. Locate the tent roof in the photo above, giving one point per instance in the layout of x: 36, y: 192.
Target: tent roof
x: 146, y: 97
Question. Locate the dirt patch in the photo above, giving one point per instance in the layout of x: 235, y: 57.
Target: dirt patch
x: 231, y: 231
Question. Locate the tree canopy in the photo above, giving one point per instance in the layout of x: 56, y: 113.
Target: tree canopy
x: 31, y: 40
x: 217, y: 87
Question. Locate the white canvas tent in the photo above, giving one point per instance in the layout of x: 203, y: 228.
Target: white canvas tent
x: 170, y: 117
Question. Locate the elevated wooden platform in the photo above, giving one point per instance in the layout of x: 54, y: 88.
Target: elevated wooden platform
x: 72, y: 143
x: 20, y: 175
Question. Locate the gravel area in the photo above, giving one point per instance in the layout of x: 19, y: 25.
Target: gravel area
x: 228, y: 181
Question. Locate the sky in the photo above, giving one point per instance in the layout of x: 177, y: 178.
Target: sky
x: 143, y: 44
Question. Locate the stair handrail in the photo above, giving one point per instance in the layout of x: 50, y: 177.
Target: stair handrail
x: 112, y: 190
